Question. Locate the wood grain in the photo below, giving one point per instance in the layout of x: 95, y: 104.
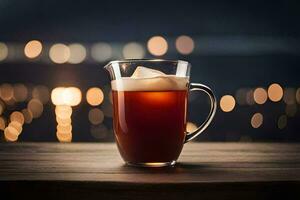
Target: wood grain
x: 212, y: 170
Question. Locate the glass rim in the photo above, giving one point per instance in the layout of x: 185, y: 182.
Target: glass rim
x: 145, y: 60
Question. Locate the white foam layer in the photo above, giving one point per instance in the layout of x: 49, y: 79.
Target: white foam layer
x: 157, y: 83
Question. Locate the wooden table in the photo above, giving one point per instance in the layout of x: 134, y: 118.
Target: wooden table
x: 96, y: 171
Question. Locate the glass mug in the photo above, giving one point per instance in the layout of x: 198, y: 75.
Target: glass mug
x: 150, y: 108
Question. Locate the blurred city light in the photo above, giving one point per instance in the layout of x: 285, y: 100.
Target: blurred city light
x: 11, y: 134
x: 289, y: 96
x: 133, y: 50
x: 257, y: 120
x: 17, y: 116
x: 96, y: 116
x: 77, y: 53
x: 298, y: 95
x: 59, y: 53
x: 275, y: 92
x: 70, y: 96
x: 99, y: 131
x: 227, y: 103
x: 94, y: 96
x: 282, y: 122
x: 16, y: 125
x: 250, y: 97
x: 3, y: 51
x: 101, y: 52
x: 2, y: 123
x: 33, y: 49
x: 27, y: 116
x: 157, y: 46
x: 260, y: 95
x: 20, y: 92
x: 64, y: 137
x: 41, y: 92
x: 63, y: 112
x: 241, y: 96
x: 191, y: 127
x: 291, y: 110
x: 2, y: 107
x: 6, y: 91
x: 184, y: 44
x: 36, y: 107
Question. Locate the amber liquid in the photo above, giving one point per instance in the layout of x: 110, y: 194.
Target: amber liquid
x: 150, y: 126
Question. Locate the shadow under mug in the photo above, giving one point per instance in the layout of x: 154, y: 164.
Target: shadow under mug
x: 150, y: 109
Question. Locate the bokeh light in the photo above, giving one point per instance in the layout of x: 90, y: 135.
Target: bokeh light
x: 184, y: 44
x: 101, y: 52
x: 107, y: 109
x: 6, y: 91
x: 33, y: 49
x: 99, y: 131
x: 298, y: 95
x: 70, y: 96
x: 41, y: 92
x: 133, y: 50
x: 289, y: 96
x: 2, y: 107
x: 20, y: 92
x: 257, y: 120
x: 260, y: 95
x: 2, y: 123
x: 275, y: 92
x: 3, y: 51
x: 241, y: 96
x: 96, y: 116
x: 282, y: 122
x: 57, y: 96
x: 250, y: 97
x: 16, y: 125
x: 94, y: 96
x: 27, y: 116
x: 291, y: 110
x: 36, y: 107
x: 64, y: 128
x: 191, y: 127
x: 64, y: 120
x: 17, y: 116
x: 63, y: 111
x: 157, y: 46
x: 77, y: 53
x: 11, y: 134
x: 64, y: 137
x: 59, y: 53
x: 227, y: 103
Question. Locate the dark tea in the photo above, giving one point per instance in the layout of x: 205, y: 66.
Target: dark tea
x: 150, y: 118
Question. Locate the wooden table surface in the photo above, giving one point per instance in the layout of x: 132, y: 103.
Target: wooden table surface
x: 204, y: 170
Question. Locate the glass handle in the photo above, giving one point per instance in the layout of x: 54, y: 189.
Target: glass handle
x: 212, y: 112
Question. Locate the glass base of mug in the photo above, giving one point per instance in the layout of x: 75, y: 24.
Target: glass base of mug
x: 152, y: 164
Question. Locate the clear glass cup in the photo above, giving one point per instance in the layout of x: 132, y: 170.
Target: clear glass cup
x: 150, y: 109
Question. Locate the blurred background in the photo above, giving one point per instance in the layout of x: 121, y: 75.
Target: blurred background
x: 54, y: 51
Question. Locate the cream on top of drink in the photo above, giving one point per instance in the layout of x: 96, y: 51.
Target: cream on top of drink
x: 146, y: 79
